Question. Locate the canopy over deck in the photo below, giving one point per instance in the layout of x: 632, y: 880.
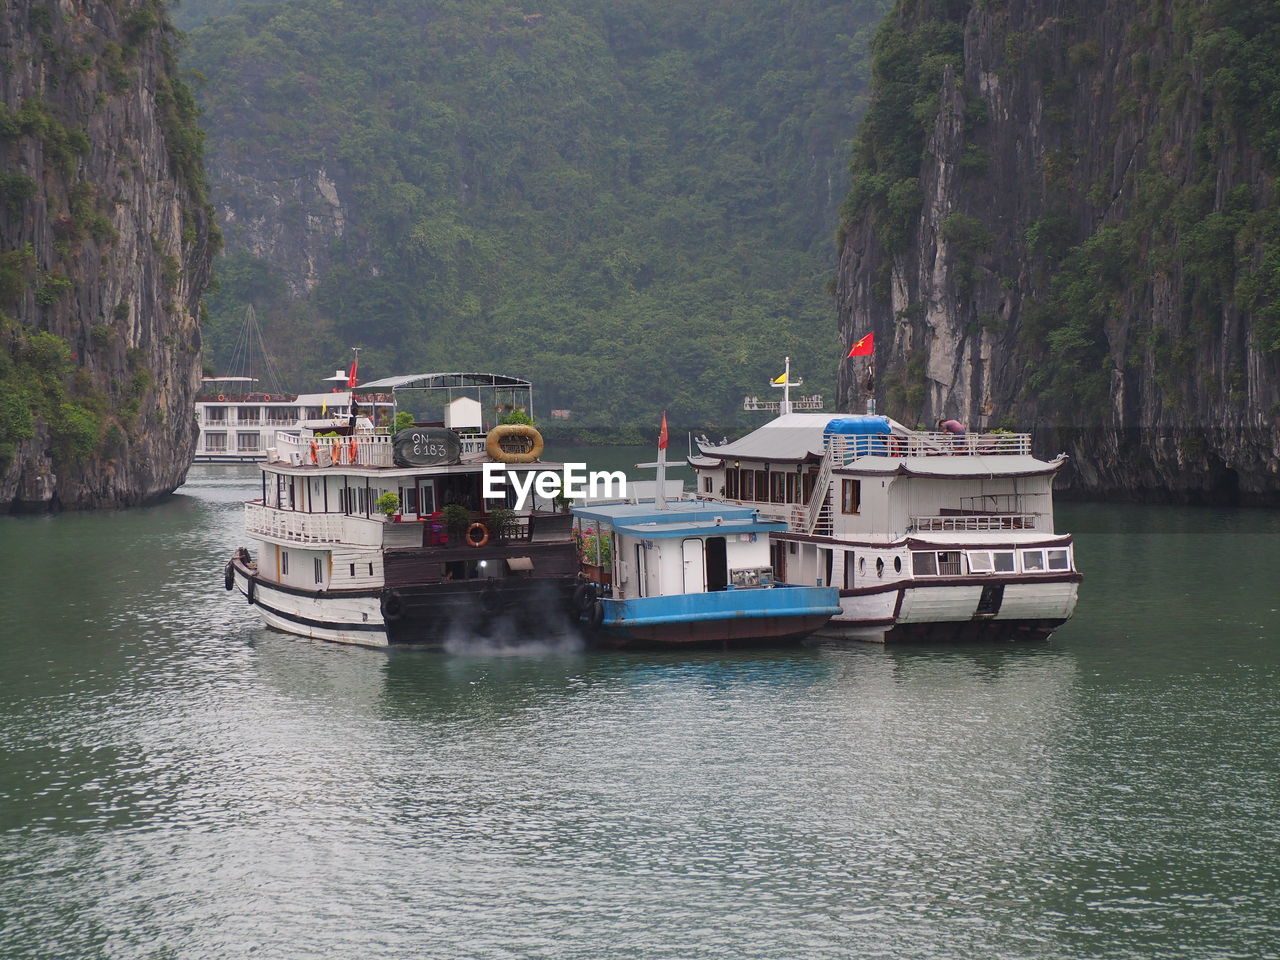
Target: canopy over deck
x: 428, y: 395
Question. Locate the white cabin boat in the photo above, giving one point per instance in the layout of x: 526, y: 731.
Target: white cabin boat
x: 329, y: 564
x: 239, y: 424
x: 928, y: 536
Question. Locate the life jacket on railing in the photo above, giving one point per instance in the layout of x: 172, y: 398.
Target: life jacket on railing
x: 351, y: 451
x: 315, y: 453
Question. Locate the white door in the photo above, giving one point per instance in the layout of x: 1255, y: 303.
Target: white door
x: 695, y: 580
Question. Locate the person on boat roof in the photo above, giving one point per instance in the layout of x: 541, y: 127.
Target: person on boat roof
x: 954, y: 427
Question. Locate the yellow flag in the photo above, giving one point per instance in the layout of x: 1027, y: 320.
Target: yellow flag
x: 781, y: 378
x: 324, y: 407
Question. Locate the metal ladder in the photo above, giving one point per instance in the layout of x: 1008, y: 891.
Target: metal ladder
x: 819, y: 507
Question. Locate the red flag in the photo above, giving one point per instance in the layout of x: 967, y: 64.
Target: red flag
x: 662, y: 436
x: 351, y: 377
x: 864, y: 347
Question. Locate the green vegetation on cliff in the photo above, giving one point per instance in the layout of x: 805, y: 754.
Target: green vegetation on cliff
x: 631, y: 202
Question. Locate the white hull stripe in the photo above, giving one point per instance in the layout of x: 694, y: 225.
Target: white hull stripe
x: 322, y: 624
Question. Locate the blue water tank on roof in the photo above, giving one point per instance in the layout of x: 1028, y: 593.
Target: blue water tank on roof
x: 858, y: 425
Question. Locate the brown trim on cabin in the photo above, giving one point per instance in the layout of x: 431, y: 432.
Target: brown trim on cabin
x: 915, y: 543
x: 976, y: 580
x: 902, y: 470
x: 299, y: 591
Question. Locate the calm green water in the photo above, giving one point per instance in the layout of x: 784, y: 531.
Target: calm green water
x: 176, y: 782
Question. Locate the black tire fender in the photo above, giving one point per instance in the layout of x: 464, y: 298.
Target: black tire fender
x: 597, y: 614
x: 251, y: 588
x: 584, y: 595
x: 392, y: 606
x: 229, y: 576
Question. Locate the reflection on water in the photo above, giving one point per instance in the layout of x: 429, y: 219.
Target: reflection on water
x: 177, y: 782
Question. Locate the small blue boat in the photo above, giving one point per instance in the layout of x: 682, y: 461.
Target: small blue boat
x: 689, y: 572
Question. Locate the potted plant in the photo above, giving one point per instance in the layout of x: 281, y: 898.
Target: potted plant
x: 389, y: 505
x: 502, y: 523
x: 456, y: 521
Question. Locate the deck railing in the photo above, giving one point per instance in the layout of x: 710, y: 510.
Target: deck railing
x: 293, y: 525
x: 974, y: 523
x: 372, y: 450
x: 847, y: 447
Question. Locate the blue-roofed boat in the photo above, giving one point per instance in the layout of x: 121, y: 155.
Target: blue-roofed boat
x: 689, y: 572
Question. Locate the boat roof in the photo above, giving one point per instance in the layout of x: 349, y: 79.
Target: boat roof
x: 792, y: 436
x: 681, y: 518
x: 317, y: 399
x: 434, y: 381
x: 228, y: 379
x: 977, y: 465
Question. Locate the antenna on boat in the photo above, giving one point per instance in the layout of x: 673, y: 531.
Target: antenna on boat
x: 785, y: 382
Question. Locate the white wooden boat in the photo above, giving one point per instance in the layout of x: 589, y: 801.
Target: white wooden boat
x: 327, y: 563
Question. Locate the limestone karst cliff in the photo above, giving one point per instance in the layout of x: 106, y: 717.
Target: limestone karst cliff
x: 1064, y: 219
x: 105, y: 245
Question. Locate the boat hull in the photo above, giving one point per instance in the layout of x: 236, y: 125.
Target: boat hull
x: 1030, y: 607
x: 729, y: 616
x: 509, y: 610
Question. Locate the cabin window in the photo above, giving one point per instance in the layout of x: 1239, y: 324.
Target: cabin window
x: 850, y: 496
x: 848, y: 570
x: 748, y: 490
x: 247, y: 441
x: 980, y: 562
x: 353, y: 571
x: 778, y: 487
x: 215, y: 441
x: 1033, y: 561
x: 924, y: 564
x: 371, y: 569
x: 247, y: 414
x: 793, y: 488
x: 215, y: 414
x: 1058, y: 560
x: 284, y: 561
x: 949, y: 563
x: 706, y: 483
x: 762, y: 486
x: 318, y: 568
x: 409, y: 496
x: 731, y: 483
x: 791, y: 547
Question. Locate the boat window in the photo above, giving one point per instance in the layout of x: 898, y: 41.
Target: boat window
x: 793, y: 488
x: 284, y: 561
x: 706, y: 483
x: 319, y: 576
x: 762, y: 486
x: 949, y: 563
x: 848, y: 570
x: 897, y: 564
x: 247, y: 414
x: 1003, y: 561
x: 850, y: 496
x: 247, y: 441
x: 215, y: 441
x: 1058, y: 560
x: 778, y: 487
x: 924, y: 564
x: 791, y: 547
x: 748, y: 485
x: 980, y: 561
x: 731, y: 483
x: 1032, y: 561
x: 879, y: 566
x: 353, y: 571
x: 862, y: 565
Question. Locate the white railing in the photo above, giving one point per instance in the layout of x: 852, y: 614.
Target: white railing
x: 974, y: 522
x: 792, y: 514
x: 372, y: 450
x: 820, y: 498
x: 292, y: 525
x: 847, y: 447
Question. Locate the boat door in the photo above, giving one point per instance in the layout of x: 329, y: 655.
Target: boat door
x: 717, y: 564
x: 695, y: 578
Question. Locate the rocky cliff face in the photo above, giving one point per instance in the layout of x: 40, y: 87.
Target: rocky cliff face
x: 1065, y: 219
x: 105, y: 247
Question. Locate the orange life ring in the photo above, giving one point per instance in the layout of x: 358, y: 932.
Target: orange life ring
x: 351, y: 451
x: 266, y: 398
x: 335, y: 452
x: 315, y: 453
x: 484, y: 534
x: 222, y: 398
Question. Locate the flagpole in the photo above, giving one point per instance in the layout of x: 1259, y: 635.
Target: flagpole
x: 786, y: 388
